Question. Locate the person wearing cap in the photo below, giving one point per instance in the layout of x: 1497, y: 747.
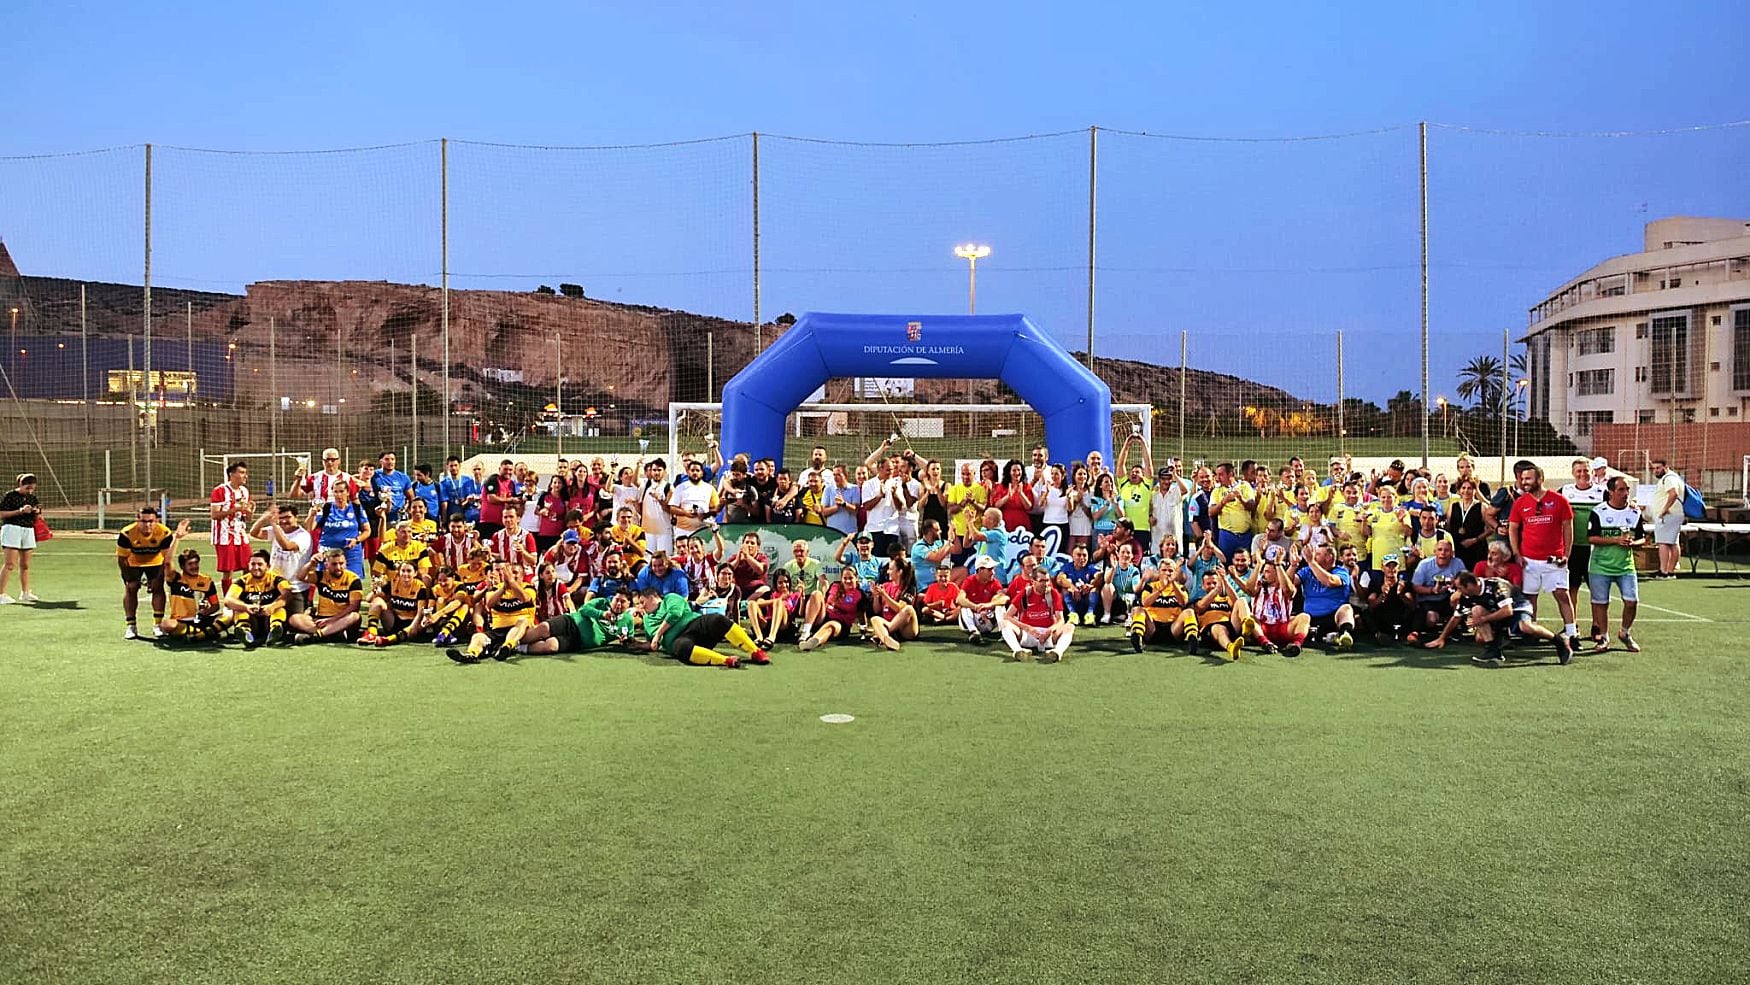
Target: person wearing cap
x: 139, y: 553
x: 1584, y: 495
x: 981, y: 600
x: 939, y: 604
x: 1166, y: 509
x: 567, y: 558
x: 19, y: 510
x: 865, y: 563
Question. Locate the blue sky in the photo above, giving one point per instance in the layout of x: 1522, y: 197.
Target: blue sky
x: 1276, y: 245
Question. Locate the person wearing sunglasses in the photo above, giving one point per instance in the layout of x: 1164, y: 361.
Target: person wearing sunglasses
x: 1541, y: 529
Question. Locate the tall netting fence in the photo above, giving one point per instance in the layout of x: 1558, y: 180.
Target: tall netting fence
x: 1263, y: 298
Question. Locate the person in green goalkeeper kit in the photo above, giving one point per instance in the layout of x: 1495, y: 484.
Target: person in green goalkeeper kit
x: 675, y: 629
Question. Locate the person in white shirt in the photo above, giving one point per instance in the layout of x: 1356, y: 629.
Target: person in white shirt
x: 1052, y: 498
x: 1166, y: 511
x: 320, y: 487
x: 291, y: 551
x: 877, y: 507
x: 817, y: 463
x: 692, y: 503
x: 230, y: 509
x: 903, y: 494
x: 653, y: 502
x: 1668, y: 517
x: 1038, y: 473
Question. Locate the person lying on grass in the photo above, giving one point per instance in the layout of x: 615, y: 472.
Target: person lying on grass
x: 672, y: 627
x: 593, y: 626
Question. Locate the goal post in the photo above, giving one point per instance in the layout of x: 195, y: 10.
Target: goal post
x: 277, y: 467
x: 949, y: 432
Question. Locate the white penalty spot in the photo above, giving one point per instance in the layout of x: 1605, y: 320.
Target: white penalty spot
x: 838, y: 719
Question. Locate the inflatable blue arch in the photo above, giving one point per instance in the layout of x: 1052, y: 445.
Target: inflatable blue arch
x: 1076, y: 404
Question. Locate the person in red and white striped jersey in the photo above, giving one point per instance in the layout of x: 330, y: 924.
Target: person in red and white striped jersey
x: 320, y: 486
x: 231, y: 510
x: 456, y: 546
x: 510, y: 545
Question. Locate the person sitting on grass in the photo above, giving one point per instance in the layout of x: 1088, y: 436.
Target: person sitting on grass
x: 592, y: 626
x: 867, y: 566
x: 1160, y: 615
x: 1486, y: 607
x: 1080, y: 581
x: 338, y: 595
x: 510, y: 612
x: 1037, y: 621
x: 1215, y: 610
x: 981, y: 601
x: 894, y: 616
x: 846, y: 605
x: 939, y: 605
x: 1123, y: 585
x: 398, y: 607
x: 775, y: 613
x: 805, y: 577
x: 1391, y: 608
x: 1280, y: 628
x: 672, y: 627
x: 1325, y: 587
x: 1524, y: 623
x: 452, y: 604
x: 194, y: 611
x: 257, y: 603
x: 1432, y: 583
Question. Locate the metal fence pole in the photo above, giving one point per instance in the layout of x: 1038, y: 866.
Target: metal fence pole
x: 146, y: 320
x: 1501, y: 402
x: 273, y: 401
x: 1422, y: 132
x: 1184, y: 348
x: 759, y: 330
x: 413, y: 395
x: 1093, y: 172
x: 84, y: 366
x: 1342, y: 429
x: 444, y: 237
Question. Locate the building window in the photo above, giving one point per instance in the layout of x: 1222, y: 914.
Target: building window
x: 1641, y: 330
x: 1595, y: 382
x: 1593, y: 341
x: 1670, y: 335
x: 1741, y: 349
x: 1688, y: 415
x: 1640, y: 374
x: 1645, y: 417
x: 1585, y: 420
x: 1713, y: 412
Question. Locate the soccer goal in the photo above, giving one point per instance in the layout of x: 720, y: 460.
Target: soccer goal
x: 951, y: 433
x: 269, y: 471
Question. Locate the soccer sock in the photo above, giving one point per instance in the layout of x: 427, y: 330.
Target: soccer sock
x: 739, y: 639
x: 1136, y: 624
x: 807, y: 630
x: 1569, y: 629
x: 276, y: 620
x: 1062, y: 645
x: 157, y: 615
x: 706, y: 657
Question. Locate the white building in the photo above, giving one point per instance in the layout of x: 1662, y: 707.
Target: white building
x: 1656, y: 337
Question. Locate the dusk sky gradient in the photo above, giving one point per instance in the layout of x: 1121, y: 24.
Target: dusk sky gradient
x: 1275, y: 243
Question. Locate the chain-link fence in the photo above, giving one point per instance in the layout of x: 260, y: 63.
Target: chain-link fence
x: 1408, y: 292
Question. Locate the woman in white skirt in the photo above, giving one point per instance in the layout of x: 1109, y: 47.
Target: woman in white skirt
x: 1081, y: 524
x: 1055, y: 515
x: 18, y: 512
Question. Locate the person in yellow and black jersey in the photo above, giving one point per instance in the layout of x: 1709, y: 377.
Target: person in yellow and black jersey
x: 256, y: 604
x: 1163, y: 612
x: 194, y: 610
x: 452, y: 605
x: 139, y: 553
x: 401, y: 548
x: 510, y: 612
x: 399, y: 605
x: 338, y: 596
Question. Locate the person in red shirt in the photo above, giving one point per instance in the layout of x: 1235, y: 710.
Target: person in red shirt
x: 846, y: 606
x: 1014, y: 498
x: 1541, y: 530
x: 940, y: 603
x: 981, y: 600
x: 1500, y: 564
x: 231, y: 511
x: 1036, y: 621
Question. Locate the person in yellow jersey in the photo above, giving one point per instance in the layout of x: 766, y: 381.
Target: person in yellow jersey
x: 629, y: 538
x: 1232, y: 502
x: 1348, y: 518
x: 510, y: 612
x: 1274, y: 499
x: 339, y: 593
x: 256, y: 603
x: 401, y: 548
x: 1387, y: 529
x: 398, y: 608
x: 1161, y: 614
x: 452, y: 605
x: 139, y: 553
x: 193, y: 613
x: 420, y: 522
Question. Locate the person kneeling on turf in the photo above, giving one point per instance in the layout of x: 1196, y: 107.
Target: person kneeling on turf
x: 1037, y: 621
x: 510, y: 609
x: 672, y: 627
x: 257, y: 603
x: 338, y: 595
x: 1507, y: 610
x: 591, y: 626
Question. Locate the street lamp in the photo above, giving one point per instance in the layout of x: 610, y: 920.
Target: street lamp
x: 972, y: 253
x: 1441, y: 400
x: 14, y: 339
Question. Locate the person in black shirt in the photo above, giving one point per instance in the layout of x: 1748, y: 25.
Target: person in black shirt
x: 19, y: 510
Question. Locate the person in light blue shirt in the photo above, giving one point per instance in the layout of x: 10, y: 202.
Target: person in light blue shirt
x: 424, y: 488
x: 928, y: 551
x: 868, y: 567
x: 457, y: 493
x: 391, y: 487
x: 662, y: 575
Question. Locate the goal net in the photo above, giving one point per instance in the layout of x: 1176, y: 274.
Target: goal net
x: 950, y: 433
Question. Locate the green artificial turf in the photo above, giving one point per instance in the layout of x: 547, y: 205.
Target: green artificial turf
x: 341, y: 815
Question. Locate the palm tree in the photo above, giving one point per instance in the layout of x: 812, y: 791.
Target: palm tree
x: 1482, y: 380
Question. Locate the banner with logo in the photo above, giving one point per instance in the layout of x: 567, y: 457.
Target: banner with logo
x: 823, y: 542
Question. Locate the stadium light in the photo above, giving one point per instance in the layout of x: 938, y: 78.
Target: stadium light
x: 972, y: 253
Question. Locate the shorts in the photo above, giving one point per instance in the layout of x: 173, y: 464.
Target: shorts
x: 706, y: 631
x: 1627, y: 587
x: 1668, y: 529
x: 1542, y: 576
x: 1278, y: 633
x: 498, y: 634
x: 654, y: 542
x: 297, y: 600
x: 564, y: 631
x: 1214, y: 617
x: 18, y: 538
x: 1323, y: 624
x: 232, y: 557
x: 152, y: 573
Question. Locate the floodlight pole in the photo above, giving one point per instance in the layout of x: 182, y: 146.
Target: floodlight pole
x: 1093, y: 172
x: 1422, y: 132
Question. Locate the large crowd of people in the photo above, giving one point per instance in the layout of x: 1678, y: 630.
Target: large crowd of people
x: 1215, y: 559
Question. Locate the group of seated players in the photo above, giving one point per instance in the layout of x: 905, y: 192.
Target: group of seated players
x: 501, y: 596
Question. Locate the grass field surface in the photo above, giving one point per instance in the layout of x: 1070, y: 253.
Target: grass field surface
x: 332, y: 814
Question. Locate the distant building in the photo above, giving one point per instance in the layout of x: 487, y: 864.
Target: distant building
x: 1660, y: 337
